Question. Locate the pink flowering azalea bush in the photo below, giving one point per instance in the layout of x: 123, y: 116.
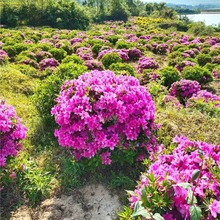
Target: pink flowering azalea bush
x: 48, y: 63
x: 100, y: 112
x: 206, y: 102
x: 146, y: 63
x: 3, y: 57
x: 182, y: 184
x: 11, y: 132
x: 184, y: 89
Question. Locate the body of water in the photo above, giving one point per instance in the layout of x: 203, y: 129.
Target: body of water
x: 209, y: 19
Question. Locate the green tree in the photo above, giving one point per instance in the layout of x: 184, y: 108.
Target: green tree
x: 119, y: 10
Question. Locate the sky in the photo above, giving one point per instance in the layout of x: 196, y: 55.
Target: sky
x: 186, y: 2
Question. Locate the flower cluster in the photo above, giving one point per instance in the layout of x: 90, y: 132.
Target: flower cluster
x: 160, y: 48
x: 93, y: 65
x: 123, y: 53
x: 189, y: 53
x: 43, y: 55
x: 184, y: 88
x: 180, y: 66
x: 11, y: 132
x: 48, y: 62
x: 206, y: 97
x: 146, y: 63
x: 100, y: 111
x: 183, y: 179
x: 173, y: 101
x: 134, y: 53
x: 3, y: 57
x: 85, y: 53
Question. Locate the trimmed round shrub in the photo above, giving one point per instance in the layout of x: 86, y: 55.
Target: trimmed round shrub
x: 3, y: 57
x: 72, y: 58
x: 11, y: 133
x: 96, y: 48
x: 184, y: 89
x: 110, y: 58
x: 203, y: 59
x: 169, y: 75
x: 197, y: 73
x: 48, y: 89
x: 146, y: 63
x: 113, y: 39
x: 122, y: 68
x: 93, y: 65
x: 48, y: 63
x: 58, y: 53
x: 123, y: 45
x: 100, y: 112
x: 26, y: 70
x: 180, y: 184
x: 134, y: 54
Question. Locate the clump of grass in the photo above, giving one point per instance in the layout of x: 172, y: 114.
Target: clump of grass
x: 190, y: 123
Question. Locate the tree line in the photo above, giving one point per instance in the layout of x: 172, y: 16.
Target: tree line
x: 69, y: 14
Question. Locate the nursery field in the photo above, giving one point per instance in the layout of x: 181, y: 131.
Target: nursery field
x: 121, y: 121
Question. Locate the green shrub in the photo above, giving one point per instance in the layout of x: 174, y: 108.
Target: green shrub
x: 96, y: 48
x: 122, y: 68
x: 9, y: 15
x: 169, y: 75
x: 48, y: 89
x: 26, y: 70
x: 72, y: 58
x: 215, y: 52
x: 113, y: 39
x: 110, y: 58
x: 203, y: 59
x: 44, y: 46
x: 13, y: 80
x: 58, y: 53
x: 14, y: 50
x: 200, y: 29
x: 123, y: 45
x: 200, y: 74
x: 119, y: 10
x: 205, y: 50
x: 210, y: 66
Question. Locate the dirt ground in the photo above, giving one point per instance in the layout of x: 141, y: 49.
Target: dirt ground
x: 92, y: 202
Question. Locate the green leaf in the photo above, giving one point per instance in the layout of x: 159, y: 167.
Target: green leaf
x: 130, y: 192
x: 195, y: 212
x: 184, y: 185
x: 140, y: 210
x: 195, y: 174
x: 157, y: 216
x: 191, y: 199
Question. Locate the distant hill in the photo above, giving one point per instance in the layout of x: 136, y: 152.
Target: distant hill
x: 186, y: 2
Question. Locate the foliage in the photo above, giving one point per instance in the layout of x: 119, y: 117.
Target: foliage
x: 59, y: 14
x: 168, y: 76
x: 203, y: 59
x: 197, y: 73
x: 110, y: 58
x: 206, y: 102
x: 200, y: 29
x: 48, y: 90
x: 119, y: 10
x: 122, y: 68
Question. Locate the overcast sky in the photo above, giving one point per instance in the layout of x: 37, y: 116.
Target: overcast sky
x: 186, y: 2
